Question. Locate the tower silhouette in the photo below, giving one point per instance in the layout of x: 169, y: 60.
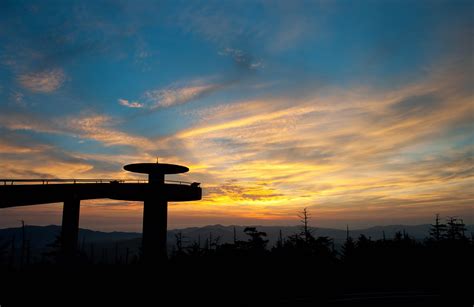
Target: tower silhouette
x: 155, y: 193
x: 155, y: 208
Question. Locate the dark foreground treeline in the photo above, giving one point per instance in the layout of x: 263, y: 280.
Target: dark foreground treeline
x: 26, y: 246
x: 443, y: 242
x: 300, y: 269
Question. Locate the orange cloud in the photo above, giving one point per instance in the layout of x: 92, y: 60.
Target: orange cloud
x: 344, y: 153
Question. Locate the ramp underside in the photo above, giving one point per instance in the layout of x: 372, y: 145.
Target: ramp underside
x: 36, y: 194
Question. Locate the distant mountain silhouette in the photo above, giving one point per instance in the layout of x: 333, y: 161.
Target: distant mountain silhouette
x: 339, y: 235
x: 41, y: 236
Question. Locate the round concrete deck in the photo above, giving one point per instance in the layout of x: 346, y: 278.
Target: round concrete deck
x: 156, y: 168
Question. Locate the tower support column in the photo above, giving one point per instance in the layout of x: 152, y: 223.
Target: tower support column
x: 70, y: 227
x: 155, y: 208
x: 155, y: 215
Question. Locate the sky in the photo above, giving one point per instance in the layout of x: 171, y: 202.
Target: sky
x: 360, y: 111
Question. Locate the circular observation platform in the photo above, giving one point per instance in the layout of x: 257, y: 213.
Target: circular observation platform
x: 156, y: 168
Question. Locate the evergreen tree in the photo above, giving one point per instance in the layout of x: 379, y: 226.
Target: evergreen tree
x: 348, y: 249
x: 437, y: 230
x: 455, y: 229
x: 306, y: 232
x: 256, y: 241
x: 3, y: 251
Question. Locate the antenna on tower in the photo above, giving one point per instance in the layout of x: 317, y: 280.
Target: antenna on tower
x: 156, y: 159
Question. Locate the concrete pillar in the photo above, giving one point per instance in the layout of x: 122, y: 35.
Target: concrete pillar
x: 70, y: 227
x: 155, y: 220
x: 155, y: 214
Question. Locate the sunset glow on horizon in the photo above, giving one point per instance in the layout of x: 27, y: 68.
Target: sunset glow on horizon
x: 360, y: 111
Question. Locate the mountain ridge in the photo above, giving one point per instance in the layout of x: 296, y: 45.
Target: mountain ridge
x: 40, y: 236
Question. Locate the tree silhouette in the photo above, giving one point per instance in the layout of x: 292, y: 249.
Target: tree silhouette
x: 280, y: 241
x: 349, y: 247
x: 194, y: 250
x: 437, y: 230
x: 3, y: 251
x: 54, y: 253
x: 455, y: 229
x: 306, y: 232
x: 179, y: 250
x: 256, y: 243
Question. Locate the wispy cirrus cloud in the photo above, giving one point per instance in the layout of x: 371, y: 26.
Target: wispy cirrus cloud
x: 18, y: 99
x: 179, y: 94
x: 24, y: 152
x: 229, y: 25
x: 45, y: 81
x: 130, y: 104
x: 338, y: 151
x: 88, y: 126
x: 242, y: 58
x: 173, y: 95
x: 101, y: 128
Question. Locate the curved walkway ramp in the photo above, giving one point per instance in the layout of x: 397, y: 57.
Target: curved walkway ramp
x: 155, y: 193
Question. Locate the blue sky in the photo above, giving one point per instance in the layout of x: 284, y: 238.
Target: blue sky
x: 355, y: 109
